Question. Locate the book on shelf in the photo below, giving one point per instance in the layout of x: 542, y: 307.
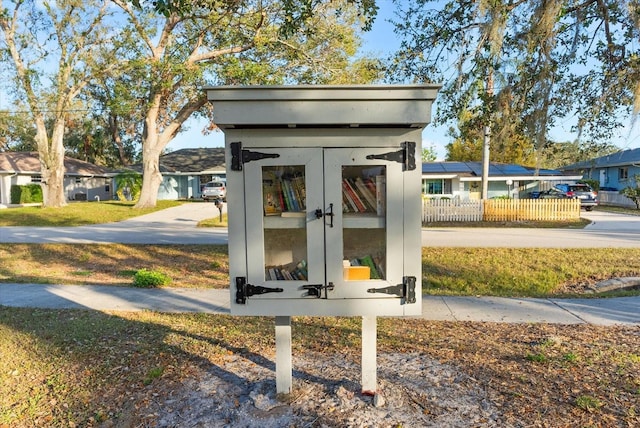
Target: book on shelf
x: 369, y: 197
x: 293, y: 214
x: 364, y: 195
x: 283, y: 193
x: 381, y: 194
x: 374, y: 267
x: 297, y: 272
x: 271, y: 199
x: 368, y: 261
x: 352, y: 196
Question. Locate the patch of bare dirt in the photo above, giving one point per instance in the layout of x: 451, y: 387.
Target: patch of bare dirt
x: 415, y: 390
x: 437, y: 375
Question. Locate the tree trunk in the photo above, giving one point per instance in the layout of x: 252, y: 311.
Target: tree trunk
x: 51, y: 154
x: 151, y: 177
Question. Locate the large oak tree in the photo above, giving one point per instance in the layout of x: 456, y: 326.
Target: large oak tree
x: 524, y: 66
x: 228, y: 42
x: 51, y: 46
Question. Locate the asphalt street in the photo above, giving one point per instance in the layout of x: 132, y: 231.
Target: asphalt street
x: 178, y: 226
x: 607, y: 230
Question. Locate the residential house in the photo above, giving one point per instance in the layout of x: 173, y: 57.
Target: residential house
x: 185, y: 171
x: 82, y: 180
x: 613, y: 172
x: 463, y: 180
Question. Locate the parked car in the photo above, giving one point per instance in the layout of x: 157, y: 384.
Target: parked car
x: 588, y: 198
x: 214, y: 190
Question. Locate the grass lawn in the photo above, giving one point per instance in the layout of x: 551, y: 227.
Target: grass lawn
x: 77, y: 213
x: 506, y: 272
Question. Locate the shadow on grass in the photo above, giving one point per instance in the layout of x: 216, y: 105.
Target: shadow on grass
x: 87, y: 367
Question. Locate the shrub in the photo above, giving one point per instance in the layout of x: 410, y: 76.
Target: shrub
x: 149, y: 279
x: 26, y: 194
x: 129, y: 185
x: 594, y: 184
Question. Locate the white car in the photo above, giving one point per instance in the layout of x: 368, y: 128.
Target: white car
x: 214, y: 190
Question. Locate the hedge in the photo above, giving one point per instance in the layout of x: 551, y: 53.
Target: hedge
x: 26, y: 194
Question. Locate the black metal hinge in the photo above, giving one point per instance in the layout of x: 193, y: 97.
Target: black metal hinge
x: 406, y: 290
x: 239, y: 156
x: 244, y: 290
x: 406, y: 156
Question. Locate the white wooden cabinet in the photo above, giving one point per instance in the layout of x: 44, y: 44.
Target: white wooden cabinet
x: 324, y: 198
x: 324, y: 205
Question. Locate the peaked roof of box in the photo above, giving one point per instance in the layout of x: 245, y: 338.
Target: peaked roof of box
x: 623, y: 157
x: 29, y: 163
x: 474, y: 169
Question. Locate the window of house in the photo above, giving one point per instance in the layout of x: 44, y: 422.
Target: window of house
x: 36, y: 179
x: 78, y: 179
x: 623, y: 173
x: 436, y: 187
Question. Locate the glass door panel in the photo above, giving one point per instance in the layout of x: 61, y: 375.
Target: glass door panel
x: 285, y: 231
x: 365, y: 240
x: 280, y: 253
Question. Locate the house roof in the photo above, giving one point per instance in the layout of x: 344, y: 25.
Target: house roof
x: 623, y: 157
x: 191, y: 161
x: 29, y: 163
x: 474, y: 169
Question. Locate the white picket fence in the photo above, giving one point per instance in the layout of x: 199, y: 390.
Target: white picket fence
x: 453, y: 210
x: 434, y: 210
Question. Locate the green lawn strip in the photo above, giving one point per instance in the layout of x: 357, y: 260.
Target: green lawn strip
x: 78, y: 213
x: 508, y: 272
x: 522, y: 272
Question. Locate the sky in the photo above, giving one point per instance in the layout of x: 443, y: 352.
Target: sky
x: 381, y: 40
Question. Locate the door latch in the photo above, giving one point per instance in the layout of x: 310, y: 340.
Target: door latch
x: 315, y: 290
x: 319, y: 214
x: 244, y: 290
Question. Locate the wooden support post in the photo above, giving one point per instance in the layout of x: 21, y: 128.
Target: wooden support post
x: 369, y: 355
x: 284, y: 367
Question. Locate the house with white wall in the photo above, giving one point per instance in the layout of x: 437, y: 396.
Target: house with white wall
x: 82, y: 180
x: 463, y: 180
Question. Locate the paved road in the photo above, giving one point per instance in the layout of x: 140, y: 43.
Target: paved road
x: 607, y: 230
x: 177, y: 226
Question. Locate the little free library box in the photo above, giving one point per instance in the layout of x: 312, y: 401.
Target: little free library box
x: 324, y: 202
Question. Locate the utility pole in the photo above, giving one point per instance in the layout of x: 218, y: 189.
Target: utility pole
x: 485, y: 161
x: 487, y: 141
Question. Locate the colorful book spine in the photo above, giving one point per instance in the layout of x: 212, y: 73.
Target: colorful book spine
x: 369, y: 197
x: 368, y: 261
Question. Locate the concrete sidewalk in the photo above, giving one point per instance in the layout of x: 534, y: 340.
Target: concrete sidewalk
x: 607, y: 312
